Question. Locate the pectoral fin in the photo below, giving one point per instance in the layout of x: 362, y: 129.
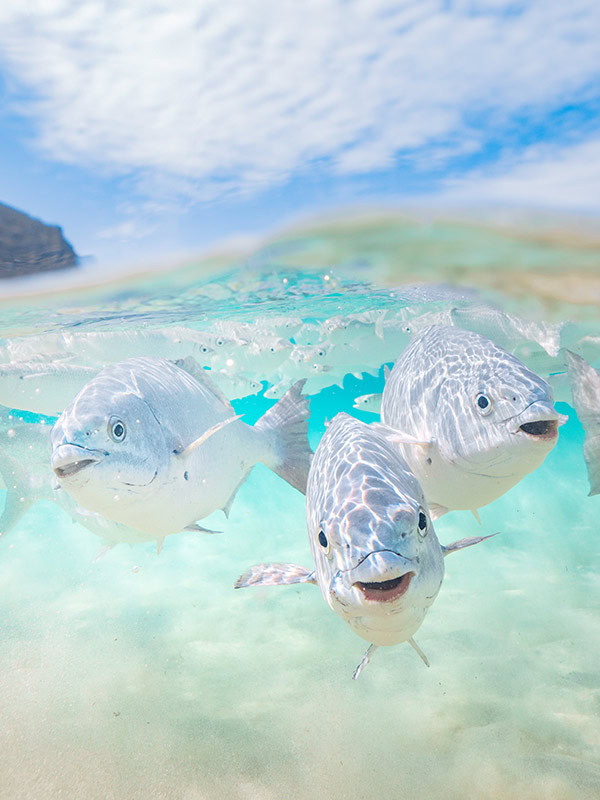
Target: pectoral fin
x: 206, y: 435
x: 436, y: 510
x: 195, y: 528
x: 365, y: 660
x: 274, y: 575
x: 102, y: 552
x: 405, y: 438
x: 229, y: 503
x: 461, y: 543
x: 418, y: 650
x: 398, y: 437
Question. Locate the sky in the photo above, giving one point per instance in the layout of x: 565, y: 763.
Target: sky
x: 147, y: 128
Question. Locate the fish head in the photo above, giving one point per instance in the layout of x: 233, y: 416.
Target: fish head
x: 380, y: 562
x: 108, y: 445
x: 498, y: 416
x: 377, y: 558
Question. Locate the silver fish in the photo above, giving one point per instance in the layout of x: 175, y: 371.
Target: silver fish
x: 27, y: 477
x: 585, y: 385
x: 377, y: 559
x: 472, y: 420
x: 149, y: 445
x: 24, y: 467
x: 369, y: 403
x: 44, y: 387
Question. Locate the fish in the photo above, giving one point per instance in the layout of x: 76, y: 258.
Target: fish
x: 27, y: 477
x: 41, y: 387
x: 370, y: 403
x: 377, y: 559
x: 277, y: 350
x: 24, y: 468
x: 585, y: 386
x: 508, y: 330
x: 471, y: 419
x: 109, y: 532
x: 150, y: 445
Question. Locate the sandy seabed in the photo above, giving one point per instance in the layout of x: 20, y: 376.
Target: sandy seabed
x: 145, y: 676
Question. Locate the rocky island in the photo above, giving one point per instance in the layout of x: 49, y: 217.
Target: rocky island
x: 28, y: 246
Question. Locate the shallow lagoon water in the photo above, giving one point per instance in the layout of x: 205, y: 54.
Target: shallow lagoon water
x: 139, y: 675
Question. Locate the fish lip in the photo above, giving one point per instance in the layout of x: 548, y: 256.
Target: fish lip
x: 375, y: 592
x: 70, y: 459
x: 539, y: 422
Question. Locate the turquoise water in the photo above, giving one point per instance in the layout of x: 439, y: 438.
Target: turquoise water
x: 137, y: 675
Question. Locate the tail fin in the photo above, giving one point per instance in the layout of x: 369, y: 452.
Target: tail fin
x: 15, y: 508
x: 585, y: 386
x: 287, y: 423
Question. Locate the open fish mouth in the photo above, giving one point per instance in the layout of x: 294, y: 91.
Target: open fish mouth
x: 71, y: 459
x: 541, y: 429
x: 385, y: 591
x: 66, y: 470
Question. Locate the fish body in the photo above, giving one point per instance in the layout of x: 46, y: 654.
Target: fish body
x: 370, y: 403
x: 147, y: 444
x: 362, y: 495
x: 377, y: 559
x: 27, y: 477
x: 24, y: 469
x: 585, y: 386
x: 472, y: 420
x: 40, y: 386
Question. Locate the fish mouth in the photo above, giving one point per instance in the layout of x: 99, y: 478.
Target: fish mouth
x: 73, y: 468
x: 543, y: 429
x: 539, y: 421
x: 71, y: 459
x: 385, y: 591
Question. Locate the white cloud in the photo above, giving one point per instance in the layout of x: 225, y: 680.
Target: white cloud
x: 127, y: 230
x: 566, y: 177
x: 236, y: 96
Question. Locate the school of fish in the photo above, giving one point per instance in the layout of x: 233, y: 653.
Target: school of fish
x: 139, y: 439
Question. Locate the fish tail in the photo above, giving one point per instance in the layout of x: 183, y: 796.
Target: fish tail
x: 18, y: 499
x: 285, y: 425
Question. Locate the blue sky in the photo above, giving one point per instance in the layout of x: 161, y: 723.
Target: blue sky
x: 153, y: 128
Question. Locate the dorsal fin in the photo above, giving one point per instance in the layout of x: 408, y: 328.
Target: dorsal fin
x: 193, y: 367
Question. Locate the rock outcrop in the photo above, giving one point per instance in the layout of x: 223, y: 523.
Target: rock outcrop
x: 28, y: 246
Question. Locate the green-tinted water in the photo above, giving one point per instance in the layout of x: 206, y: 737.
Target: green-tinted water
x: 145, y: 676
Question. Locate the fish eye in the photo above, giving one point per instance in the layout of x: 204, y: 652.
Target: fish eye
x: 422, y: 523
x: 483, y: 403
x: 204, y: 348
x: 116, y: 430
x: 323, y: 541
x: 220, y: 341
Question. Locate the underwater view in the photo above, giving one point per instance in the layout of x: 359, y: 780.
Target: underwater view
x: 155, y: 455
x: 299, y: 400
